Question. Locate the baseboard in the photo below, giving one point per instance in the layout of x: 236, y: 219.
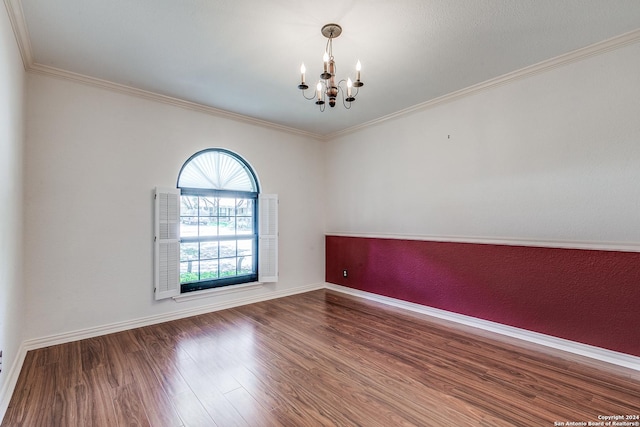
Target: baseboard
x: 36, y: 343
x: 12, y: 379
x: 597, y: 353
x: 616, y: 358
x: 66, y: 337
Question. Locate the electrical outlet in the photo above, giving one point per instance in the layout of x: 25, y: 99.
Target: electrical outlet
x: 344, y: 273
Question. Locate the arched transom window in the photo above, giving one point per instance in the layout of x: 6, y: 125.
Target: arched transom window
x: 217, y: 169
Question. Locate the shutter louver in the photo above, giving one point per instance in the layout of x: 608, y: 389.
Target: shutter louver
x: 167, y: 243
x: 268, y: 238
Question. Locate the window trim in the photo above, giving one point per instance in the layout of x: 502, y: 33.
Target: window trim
x: 166, y: 283
x: 216, y: 192
x: 163, y: 265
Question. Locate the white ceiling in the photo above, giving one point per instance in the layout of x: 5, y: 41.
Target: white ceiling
x: 243, y: 56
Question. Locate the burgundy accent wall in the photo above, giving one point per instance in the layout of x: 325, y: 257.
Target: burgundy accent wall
x: 588, y: 296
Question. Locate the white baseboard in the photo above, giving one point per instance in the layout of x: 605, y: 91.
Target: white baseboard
x: 597, y: 353
x: 12, y: 380
x: 36, y: 343
x: 56, y: 339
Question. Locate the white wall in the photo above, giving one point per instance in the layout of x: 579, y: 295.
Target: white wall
x: 552, y: 156
x: 93, y: 157
x: 12, y: 293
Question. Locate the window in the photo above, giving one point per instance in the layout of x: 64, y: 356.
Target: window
x: 218, y: 228
x: 215, y: 229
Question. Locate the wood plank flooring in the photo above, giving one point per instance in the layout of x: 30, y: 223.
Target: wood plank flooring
x: 315, y: 359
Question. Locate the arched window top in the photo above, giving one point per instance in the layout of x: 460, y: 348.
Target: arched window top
x: 217, y: 169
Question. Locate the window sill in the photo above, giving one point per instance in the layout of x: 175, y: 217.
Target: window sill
x: 208, y: 293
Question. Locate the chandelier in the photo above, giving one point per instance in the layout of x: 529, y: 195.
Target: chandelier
x: 327, y: 88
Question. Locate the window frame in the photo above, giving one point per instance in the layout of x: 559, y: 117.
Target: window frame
x: 237, y: 279
x: 222, y: 193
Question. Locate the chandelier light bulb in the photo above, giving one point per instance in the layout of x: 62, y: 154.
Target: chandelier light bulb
x: 358, y: 68
x: 349, y: 86
x: 303, y: 70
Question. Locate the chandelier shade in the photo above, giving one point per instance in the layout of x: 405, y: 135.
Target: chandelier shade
x: 327, y: 90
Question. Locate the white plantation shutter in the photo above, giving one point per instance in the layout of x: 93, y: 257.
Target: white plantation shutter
x: 268, y: 238
x: 167, y: 243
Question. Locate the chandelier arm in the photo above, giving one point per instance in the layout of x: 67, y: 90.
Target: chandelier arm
x: 344, y: 101
x: 341, y: 90
x: 306, y: 97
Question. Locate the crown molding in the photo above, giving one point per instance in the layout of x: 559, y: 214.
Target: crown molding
x: 541, y: 67
x: 19, y: 26
x: 21, y: 32
x: 508, y: 241
x: 16, y: 16
x: 153, y: 96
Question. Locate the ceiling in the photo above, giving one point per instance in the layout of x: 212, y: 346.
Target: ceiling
x: 244, y: 56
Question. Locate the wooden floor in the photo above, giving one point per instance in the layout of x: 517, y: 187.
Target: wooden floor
x: 315, y: 359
